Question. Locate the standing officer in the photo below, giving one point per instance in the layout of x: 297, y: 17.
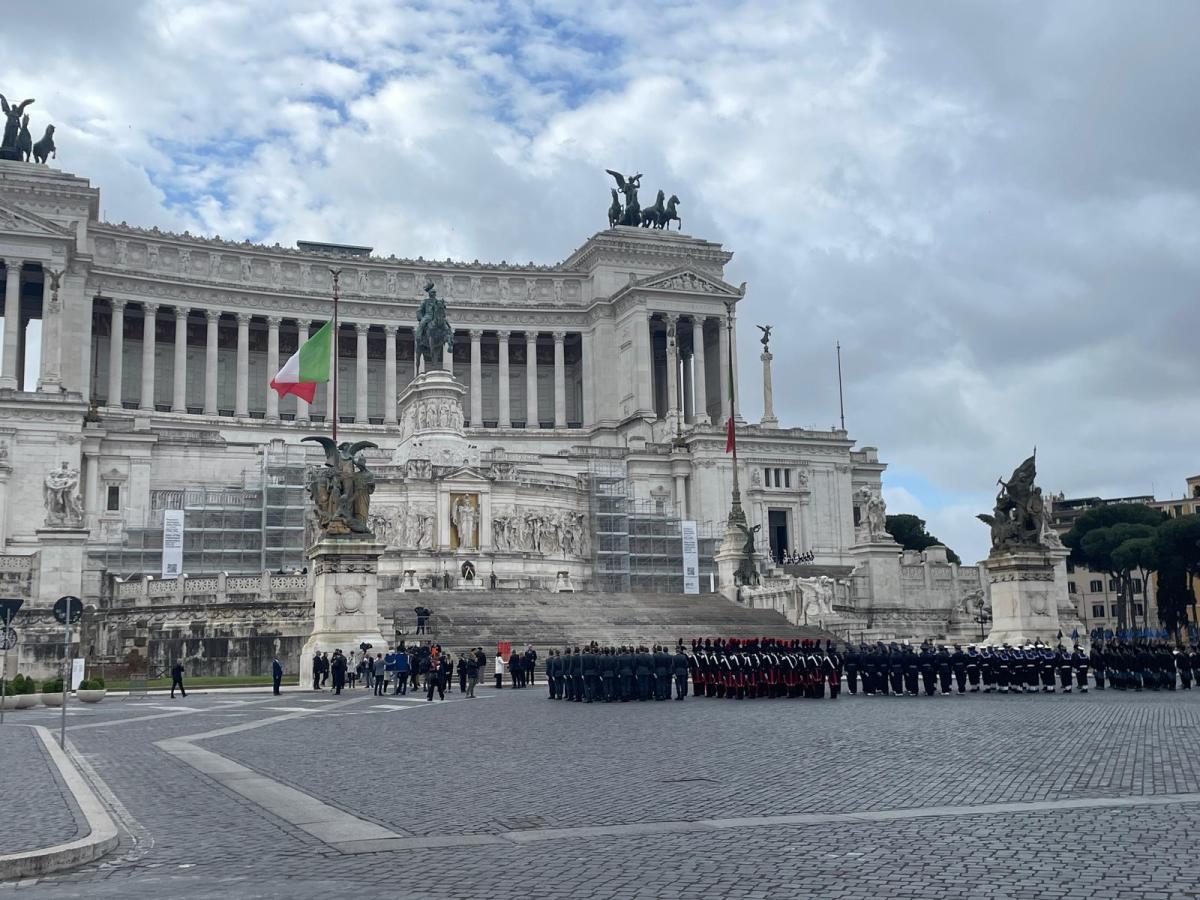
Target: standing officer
x: 943, y: 670
x: 1079, y: 662
x: 577, y: 689
x: 589, y: 674
x: 958, y: 664
x: 316, y: 670
x: 681, y: 672
x: 662, y: 674
x: 852, y: 662
x: 276, y: 675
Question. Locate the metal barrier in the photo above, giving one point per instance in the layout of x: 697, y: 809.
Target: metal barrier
x: 138, y: 687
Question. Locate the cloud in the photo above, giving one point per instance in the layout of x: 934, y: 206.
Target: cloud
x: 994, y: 208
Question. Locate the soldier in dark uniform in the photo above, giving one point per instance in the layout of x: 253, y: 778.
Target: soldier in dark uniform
x: 958, y: 665
x: 974, y: 668
x: 928, y: 665
x: 590, y: 673
x: 852, y: 662
x: 1184, y: 661
x: 577, y: 688
x: 641, y: 671
x: 912, y: 671
x: 625, y: 674
x: 832, y: 669
x: 903, y: 668
x: 662, y: 673
x: 1099, y: 664
x: 1062, y: 660
x: 943, y: 670
x: 1079, y: 663
x: 682, y: 665
x: 551, y: 670
x: 1047, y: 665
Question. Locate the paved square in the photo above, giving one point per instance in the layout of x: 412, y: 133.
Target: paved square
x: 1029, y: 796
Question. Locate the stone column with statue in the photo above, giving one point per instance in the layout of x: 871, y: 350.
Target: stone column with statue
x: 1025, y: 592
x: 345, y: 555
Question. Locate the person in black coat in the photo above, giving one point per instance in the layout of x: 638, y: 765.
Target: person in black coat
x: 177, y: 680
x: 642, y: 663
x: 681, y: 662
x: 662, y: 673
x: 958, y: 665
x: 316, y: 670
x: 337, y: 667
x: 276, y: 675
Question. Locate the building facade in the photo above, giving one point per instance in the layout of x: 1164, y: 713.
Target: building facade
x: 586, y: 425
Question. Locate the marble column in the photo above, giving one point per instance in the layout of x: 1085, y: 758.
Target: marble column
x: 241, y: 403
x: 644, y: 366
x: 672, y: 371
x: 12, y: 322
x: 273, y: 323
x: 5, y: 472
x: 302, y: 326
x: 91, y: 487
x: 531, y: 394
x: 681, y: 504
x: 723, y: 369
x: 361, y: 407
x: 688, y: 404
x: 389, y: 374
x: 213, y: 318
x: 560, y: 380
x: 179, y: 376
x: 768, y: 416
x: 476, y: 378
x: 50, y: 370
x: 504, y: 416
x: 587, y: 345
x: 116, y: 349
x: 700, y: 380
x: 149, y: 320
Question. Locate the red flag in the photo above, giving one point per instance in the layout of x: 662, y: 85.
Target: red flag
x: 729, y: 441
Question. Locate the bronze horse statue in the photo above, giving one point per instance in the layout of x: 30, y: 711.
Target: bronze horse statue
x: 669, y: 215
x: 614, y: 211
x: 652, y: 215
x: 45, y: 147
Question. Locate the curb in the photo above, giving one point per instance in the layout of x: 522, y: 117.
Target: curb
x: 102, y: 831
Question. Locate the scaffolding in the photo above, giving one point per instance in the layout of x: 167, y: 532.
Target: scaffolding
x: 609, y: 499
x: 655, y: 548
x: 237, y: 529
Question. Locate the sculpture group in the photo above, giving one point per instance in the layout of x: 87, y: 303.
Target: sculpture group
x: 1018, y: 521
x: 60, y: 493
x: 18, y: 142
x: 660, y: 215
x: 341, y: 489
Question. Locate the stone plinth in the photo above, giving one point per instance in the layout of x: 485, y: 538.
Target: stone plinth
x: 879, y: 560
x: 430, y: 416
x: 1025, y: 598
x: 563, y: 583
x: 409, y: 582
x: 60, y: 562
x: 345, y: 597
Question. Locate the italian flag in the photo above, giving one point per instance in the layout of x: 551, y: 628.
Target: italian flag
x: 306, y: 368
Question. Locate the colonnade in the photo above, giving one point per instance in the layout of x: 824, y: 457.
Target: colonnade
x: 683, y: 371
x: 359, y: 413
x: 16, y: 275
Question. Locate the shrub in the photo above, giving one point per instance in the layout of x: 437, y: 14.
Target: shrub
x: 92, y: 684
x: 53, y: 686
x: 98, y: 682
x: 23, y: 685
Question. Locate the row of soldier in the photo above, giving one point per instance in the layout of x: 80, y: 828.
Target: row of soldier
x: 617, y: 674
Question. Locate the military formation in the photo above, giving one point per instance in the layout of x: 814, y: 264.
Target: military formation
x: 595, y: 674
x: 741, y: 669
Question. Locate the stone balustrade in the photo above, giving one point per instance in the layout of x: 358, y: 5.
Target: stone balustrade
x: 212, y: 589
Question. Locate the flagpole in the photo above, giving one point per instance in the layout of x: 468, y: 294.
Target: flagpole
x: 335, y: 273
x: 841, y: 402
x: 736, y: 515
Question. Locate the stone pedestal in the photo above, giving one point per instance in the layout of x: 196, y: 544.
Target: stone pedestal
x: 728, y: 557
x: 563, y: 584
x: 409, y: 582
x: 1068, y: 613
x: 879, y: 560
x: 60, y: 563
x: 345, y: 597
x: 470, y: 584
x: 1024, y: 596
x: 430, y: 417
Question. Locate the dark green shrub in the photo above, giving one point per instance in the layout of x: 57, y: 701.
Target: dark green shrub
x: 53, y: 686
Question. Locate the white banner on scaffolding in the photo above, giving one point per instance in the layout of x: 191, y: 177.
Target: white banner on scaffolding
x: 691, y: 557
x: 172, y: 546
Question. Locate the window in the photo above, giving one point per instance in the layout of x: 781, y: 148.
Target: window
x: 778, y: 478
x: 1114, y: 585
x: 114, y: 498
x: 1097, y: 610
x: 766, y: 477
x: 787, y: 478
x: 1196, y: 491
x: 1070, y: 568
x: 1096, y: 586
x: 1179, y: 510
x: 1137, y: 585
x: 1141, y: 609
x: 1070, y: 587
x: 1114, y: 611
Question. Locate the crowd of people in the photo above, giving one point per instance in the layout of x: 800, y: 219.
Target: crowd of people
x: 592, y: 673
x: 736, y: 668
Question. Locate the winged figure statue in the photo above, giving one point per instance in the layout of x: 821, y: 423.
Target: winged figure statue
x: 629, y: 187
x: 341, y: 489
x: 12, y: 120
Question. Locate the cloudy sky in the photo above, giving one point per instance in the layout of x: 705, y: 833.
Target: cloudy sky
x: 994, y: 207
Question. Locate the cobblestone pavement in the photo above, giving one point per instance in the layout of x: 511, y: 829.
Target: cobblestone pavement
x: 1006, y: 797
x: 36, y: 808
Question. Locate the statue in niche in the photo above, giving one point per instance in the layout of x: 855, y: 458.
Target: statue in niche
x: 60, y: 493
x: 464, y: 516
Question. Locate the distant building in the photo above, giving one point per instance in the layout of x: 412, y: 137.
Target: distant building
x: 1096, y: 594
x: 1187, y: 505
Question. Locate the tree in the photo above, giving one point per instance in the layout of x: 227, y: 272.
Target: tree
x: 1178, y: 541
x: 1100, y: 531
x: 909, y: 532
x: 1139, y: 554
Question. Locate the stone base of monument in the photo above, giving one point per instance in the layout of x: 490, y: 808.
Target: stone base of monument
x: 470, y: 584
x: 563, y: 583
x: 345, y: 597
x: 409, y: 583
x: 728, y: 557
x: 1024, y: 596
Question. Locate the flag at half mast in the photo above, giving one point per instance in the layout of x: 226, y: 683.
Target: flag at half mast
x: 306, y: 368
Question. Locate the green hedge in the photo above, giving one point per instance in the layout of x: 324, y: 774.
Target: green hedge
x: 21, y: 685
x: 53, y: 686
x: 91, y: 684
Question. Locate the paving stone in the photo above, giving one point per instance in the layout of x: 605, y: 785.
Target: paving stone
x: 36, y: 809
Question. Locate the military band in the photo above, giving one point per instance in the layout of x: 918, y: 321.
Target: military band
x: 741, y: 669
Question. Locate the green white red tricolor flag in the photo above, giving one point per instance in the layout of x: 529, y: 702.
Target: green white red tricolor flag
x: 307, y: 367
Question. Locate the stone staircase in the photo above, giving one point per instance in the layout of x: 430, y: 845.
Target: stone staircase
x: 464, y: 619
